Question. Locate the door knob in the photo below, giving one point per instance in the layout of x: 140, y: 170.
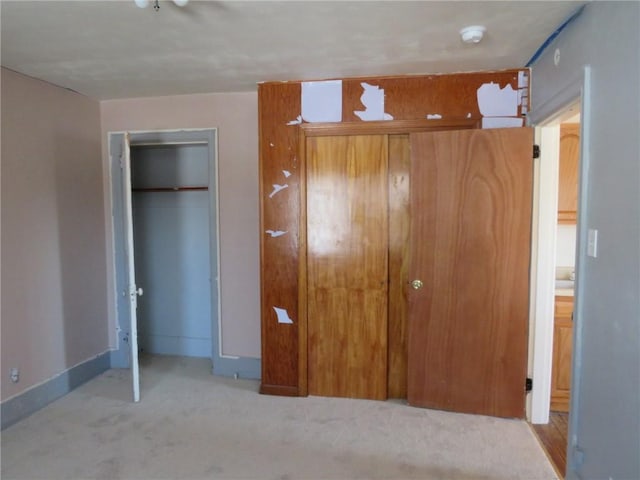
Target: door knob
x: 417, y: 284
x: 139, y: 292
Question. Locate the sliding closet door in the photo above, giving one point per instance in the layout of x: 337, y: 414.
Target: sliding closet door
x: 347, y: 272
x: 471, y: 196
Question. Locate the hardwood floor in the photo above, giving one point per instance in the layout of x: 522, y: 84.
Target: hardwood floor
x: 553, y: 437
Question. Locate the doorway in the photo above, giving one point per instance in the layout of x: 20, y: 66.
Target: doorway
x: 164, y: 194
x: 554, y: 434
x: 171, y: 245
x: 559, y: 173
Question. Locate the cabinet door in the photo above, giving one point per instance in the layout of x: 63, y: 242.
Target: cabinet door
x: 347, y: 272
x: 470, y: 200
x: 562, y: 347
x: 568, y: 175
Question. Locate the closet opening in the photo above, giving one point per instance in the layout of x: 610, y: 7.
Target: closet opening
x: 165, y: 211
x: 171, y: 228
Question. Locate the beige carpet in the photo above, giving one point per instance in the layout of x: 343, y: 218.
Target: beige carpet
x: 191, y: 425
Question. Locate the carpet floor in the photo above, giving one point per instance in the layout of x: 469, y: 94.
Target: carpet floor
x: 192, y: 425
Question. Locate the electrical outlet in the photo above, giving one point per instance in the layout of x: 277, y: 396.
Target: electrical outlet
x: 15, y: 375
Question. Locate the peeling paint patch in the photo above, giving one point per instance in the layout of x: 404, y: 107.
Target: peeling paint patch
x: 373, y: 100
x: 277, y: 188
x: 501, y: 122
x: 275, y: 233
x: 434, y: 116
x: 494, y: 101
x: 286, y: 173
x: 523, y: 92
x: 523, y: 100
x: 283, y: 316
x: 322, y: 101
x: 523, y: 79
x: 297, y: 121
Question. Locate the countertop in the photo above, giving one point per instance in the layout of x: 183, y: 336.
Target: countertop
x: 564, y: 292
x: 564, y: 287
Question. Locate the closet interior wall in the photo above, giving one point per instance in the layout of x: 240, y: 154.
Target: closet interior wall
x: 172, y: 248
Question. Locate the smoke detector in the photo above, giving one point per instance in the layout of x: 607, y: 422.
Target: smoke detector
x: 472, y: 34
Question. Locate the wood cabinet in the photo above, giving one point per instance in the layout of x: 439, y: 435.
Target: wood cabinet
x: 568, y: 175
x: 562, y: 351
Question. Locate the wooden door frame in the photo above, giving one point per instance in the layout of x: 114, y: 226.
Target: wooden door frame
x: 385, y: 127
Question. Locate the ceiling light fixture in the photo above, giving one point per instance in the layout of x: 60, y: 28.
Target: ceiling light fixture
x: 156, y: 3
x: 472, y: 34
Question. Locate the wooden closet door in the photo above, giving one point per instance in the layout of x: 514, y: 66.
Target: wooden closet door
x: 471, y: 195
x: 347, y: 273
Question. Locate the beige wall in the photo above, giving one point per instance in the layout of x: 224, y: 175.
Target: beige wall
x: 54, y: 303
x: 235, y: 115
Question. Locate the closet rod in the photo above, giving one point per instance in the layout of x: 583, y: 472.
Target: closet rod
x: 169, y: 189
x: 169, y: 144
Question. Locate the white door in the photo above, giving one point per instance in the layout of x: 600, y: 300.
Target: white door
x: 132, y: 290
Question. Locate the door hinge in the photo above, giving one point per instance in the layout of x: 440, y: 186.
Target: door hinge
x: 536, y: 151
x: 528, y: 385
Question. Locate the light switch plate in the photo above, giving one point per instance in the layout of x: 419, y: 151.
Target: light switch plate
x: 592, y: 243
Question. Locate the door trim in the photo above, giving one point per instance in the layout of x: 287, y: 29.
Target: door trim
x: 540, y: 364
x: 386, y: 127
x: 173, y: 137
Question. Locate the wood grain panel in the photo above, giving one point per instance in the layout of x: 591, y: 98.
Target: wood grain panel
x: 412, y: 97
x: 303, y: 335
x: 347, y: 275
x: 387, y: 127
x: 471, y: 197
x: 562, y: 353
x: 279, y: 256
x: 568, y: 175
x: 399, y: 167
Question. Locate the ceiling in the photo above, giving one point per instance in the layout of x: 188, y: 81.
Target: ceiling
x: 113, y: 49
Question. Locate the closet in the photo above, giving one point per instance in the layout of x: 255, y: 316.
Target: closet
x: 171, y: 231
x: 380, y: 277
x: 417, y: 282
